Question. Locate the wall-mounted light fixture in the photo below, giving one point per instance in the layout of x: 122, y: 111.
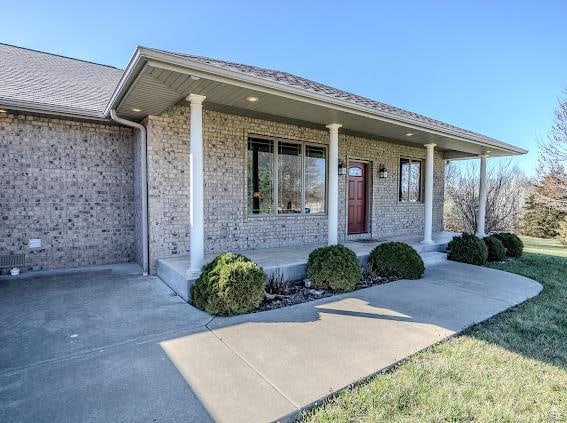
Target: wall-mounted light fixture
x: 382, y: 171
x: 342, y: 168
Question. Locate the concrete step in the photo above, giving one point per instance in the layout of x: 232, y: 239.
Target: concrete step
x: 175, y: 275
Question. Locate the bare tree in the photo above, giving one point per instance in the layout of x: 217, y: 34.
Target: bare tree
x: 553, y: 162
x: 506, y: 191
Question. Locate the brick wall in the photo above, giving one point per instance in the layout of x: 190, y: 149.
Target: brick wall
x: 69, y: 183
x: 227, y: 226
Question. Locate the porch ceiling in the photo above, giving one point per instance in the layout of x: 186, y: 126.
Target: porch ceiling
x: 156, y: 85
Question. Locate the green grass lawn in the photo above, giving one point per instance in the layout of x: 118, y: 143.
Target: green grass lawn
x: 512, y: 368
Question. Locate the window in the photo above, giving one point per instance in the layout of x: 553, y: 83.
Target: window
x: 410, y: 180
x: 286, y: 177
x: 260, y: 176
x: 289, y: 178
x: 315, y: 179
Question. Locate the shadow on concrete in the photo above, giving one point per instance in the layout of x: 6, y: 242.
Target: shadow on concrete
x: 115, y: 345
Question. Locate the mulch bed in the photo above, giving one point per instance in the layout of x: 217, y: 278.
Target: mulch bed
x: 284, y: 294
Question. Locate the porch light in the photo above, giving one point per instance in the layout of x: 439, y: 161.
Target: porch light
x: 252, y: 99
x: 342, y: 168
x: 382, y: 172
x: 135, y: 109
x: 2, y: 111
x: 409, y: 134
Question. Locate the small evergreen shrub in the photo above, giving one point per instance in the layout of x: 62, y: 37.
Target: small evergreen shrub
x: 496, y: 250
x: 514, y: 245
x: 396, y: 260
x: 335, y: 268
x: 468, y: 248
x: 230, y: 284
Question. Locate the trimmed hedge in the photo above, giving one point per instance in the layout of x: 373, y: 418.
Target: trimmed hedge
x: 396, y: 260
x: 514, y: 245
x: 496, y: 250
x: 230, y: 284
x: 335, y: 268
x: 468, y: 248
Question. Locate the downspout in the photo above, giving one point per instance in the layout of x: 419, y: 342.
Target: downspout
x: 144, y: 177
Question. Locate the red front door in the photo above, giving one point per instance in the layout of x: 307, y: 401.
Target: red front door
x: 356, y: 198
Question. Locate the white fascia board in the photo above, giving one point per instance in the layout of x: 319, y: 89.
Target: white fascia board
x: 185, y: 65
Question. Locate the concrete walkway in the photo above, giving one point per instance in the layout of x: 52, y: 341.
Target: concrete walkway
x: 282, y: 361
x: 118, y: 347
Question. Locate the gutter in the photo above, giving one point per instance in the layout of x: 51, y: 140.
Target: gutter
x: 50, y: 109
x: 144, y: 177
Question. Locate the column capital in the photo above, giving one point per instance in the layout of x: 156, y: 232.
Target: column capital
x: 484, y: 155
x: 333, y: 126
x: 428, y: 146
x: 195, y: 98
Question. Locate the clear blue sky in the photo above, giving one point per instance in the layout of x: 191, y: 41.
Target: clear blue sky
x: 496, y: 67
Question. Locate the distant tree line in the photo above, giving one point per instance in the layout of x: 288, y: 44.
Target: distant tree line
x: 535, y: 207
x: 546, y: 208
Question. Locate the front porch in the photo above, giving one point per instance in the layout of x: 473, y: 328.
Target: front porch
x: 291, y: 261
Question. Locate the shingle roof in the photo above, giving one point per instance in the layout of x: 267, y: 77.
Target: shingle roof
x: 295, y: 81
x: 51, y: 80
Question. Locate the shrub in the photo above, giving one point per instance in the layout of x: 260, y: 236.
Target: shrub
x: 514, y: 245
x: 396, y: 260
x: 496, y: 250
x: 335, y: 267
x: 230, y: 284
x: 468, y: 248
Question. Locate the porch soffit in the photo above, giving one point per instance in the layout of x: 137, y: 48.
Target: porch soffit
x: 158, y: 87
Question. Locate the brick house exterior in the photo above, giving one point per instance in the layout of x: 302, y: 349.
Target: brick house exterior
x: 75, y: 178
x: 227, y: 225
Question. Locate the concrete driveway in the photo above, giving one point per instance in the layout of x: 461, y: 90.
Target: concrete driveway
x: 111, y: 345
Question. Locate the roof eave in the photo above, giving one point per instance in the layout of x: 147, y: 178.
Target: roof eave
x: 51, y: 109
x: 143, y: 55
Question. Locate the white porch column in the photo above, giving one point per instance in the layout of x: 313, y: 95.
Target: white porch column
x: 428, y: 215
x: 481, y: 218
x: 196, y: 205
x: 333, y: 212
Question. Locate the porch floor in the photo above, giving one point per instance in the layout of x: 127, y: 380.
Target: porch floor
x: 291, y: 261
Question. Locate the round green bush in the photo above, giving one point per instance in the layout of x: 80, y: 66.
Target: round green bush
x: 496, y: 250
x: 468, y: 248
x: 396, y: 260
x: 230, y: 284
x: 514, y: 245
x: 335, y: 268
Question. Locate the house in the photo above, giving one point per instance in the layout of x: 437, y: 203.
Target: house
x: 182, y: 155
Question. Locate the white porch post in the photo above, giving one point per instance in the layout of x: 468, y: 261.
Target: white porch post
x: 481, y: 218
x: 428, y: 214
x: 196, y: 205
x: 333, y: 212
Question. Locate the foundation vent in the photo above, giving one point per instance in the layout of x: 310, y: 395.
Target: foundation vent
x: 13, y: 260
